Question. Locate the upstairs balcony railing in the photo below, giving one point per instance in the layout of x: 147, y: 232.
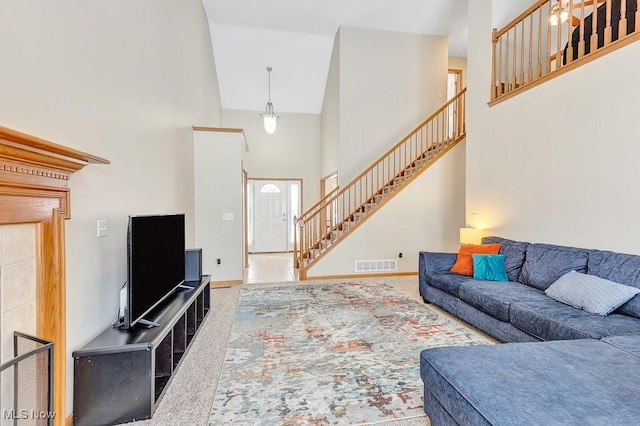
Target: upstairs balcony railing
x: 553, y: 36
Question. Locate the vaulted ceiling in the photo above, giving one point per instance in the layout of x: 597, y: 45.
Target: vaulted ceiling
x: 295, y: 38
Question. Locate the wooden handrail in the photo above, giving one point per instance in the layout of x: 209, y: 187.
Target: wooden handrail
x: 520, y: 18
x: 299, y: 220
x: 513, y: 66
x: 341, y: 211
x: 398, y: 145
x: 318, y: 204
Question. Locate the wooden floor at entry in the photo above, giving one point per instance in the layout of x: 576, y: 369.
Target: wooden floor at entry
x: 270, y: 267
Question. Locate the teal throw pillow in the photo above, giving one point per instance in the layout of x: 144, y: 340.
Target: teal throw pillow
x: 489, y: 267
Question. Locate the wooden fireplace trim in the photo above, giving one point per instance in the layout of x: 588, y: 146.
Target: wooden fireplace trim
x: 34, y: 176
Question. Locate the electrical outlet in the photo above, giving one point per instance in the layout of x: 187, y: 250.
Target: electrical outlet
x: 102, y: 228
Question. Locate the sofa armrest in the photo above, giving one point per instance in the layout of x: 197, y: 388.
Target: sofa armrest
x: 436, y: 262
x: 433, y: 262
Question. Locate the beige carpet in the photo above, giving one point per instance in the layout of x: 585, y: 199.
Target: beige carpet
x: 190, y: 395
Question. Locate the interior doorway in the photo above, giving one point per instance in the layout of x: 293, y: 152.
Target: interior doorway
x: 328, y: 184
x: 454, y: 82
x: 454, y: 85
x: 272, y: 204
x: 245, y: 216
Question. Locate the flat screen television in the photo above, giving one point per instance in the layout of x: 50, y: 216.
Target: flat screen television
x: 155, y: 263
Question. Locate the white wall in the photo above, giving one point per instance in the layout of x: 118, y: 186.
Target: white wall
x: 218, y: 191
x: 293, y: 151
x: 504, y: 11
x: 557, y: 163
x: 389, y: 83
x: 426, y: 215
x: 331, y: 114
x: 125, y: 81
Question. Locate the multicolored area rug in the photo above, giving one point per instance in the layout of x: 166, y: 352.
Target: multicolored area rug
x: 329, y: 354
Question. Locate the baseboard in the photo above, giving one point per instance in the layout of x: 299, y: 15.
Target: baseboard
x: 223, y: 284
x: 69, y: 420
x: 372, y: 275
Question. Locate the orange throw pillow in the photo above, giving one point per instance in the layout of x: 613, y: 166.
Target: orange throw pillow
x: 464, y: 261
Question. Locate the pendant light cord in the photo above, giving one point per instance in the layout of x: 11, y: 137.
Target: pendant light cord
x: 269, y: 71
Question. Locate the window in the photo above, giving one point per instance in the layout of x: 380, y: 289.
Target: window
x: 269, y: 189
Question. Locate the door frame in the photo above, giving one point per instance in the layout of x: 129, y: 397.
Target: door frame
x: 329, y: 212
x: 245, y: 216
x: 458, y: 72
x: 299, y: 180
x: 453, y: 118
x: 323, y: 183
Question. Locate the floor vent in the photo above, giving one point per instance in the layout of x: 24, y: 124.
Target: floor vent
x: 376, y: 265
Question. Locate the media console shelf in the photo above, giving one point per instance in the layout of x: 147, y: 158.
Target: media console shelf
x: 121, y: 375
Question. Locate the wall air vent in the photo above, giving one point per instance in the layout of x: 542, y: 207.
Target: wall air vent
x: 376, y: 265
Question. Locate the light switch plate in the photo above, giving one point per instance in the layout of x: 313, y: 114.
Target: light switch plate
x: 227, y: 216
x: 103, y: 228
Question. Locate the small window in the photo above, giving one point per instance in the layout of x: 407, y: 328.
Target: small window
x: 270, y: 189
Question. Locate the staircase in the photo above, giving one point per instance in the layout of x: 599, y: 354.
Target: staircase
x: 339, y: 213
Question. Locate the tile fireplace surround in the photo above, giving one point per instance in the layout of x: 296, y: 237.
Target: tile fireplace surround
x: 34, y: 202
x: 17, y: 284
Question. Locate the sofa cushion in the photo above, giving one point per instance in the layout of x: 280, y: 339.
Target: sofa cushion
x: 631, y: 308
x: 494, y: 298
x: 618, y: 267
x: 545, y: 263
x: 592, y: 294
x: 464, y: 262
x: 621, y: 268
x: 552, y: 320
x: 489, y: 267
x: 579, y: 382
x: 629, y: 344
x: 446, y: 281
x: 514, y: 252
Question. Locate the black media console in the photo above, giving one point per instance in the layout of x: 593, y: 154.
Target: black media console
x: 121, y: 375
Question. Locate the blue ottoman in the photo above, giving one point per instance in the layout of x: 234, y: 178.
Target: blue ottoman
x: 570, y: 382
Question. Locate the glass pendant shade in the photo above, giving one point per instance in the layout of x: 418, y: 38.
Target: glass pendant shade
x: 270, y: 119
x: 270, y: 123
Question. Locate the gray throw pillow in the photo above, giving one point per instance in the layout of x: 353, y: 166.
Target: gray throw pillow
x: 590, y: 293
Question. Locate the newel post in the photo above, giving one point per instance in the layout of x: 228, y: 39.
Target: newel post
x: 494, y: 42
x: 302, y: 273
x: 295, y: 242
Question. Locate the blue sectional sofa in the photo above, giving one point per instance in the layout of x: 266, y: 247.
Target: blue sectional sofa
x: 563, y: 365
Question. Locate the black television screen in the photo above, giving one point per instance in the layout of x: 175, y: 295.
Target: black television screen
x: 155, y: 261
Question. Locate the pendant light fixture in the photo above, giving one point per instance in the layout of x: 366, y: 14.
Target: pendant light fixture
x: 269, y: 117
x: 559, y: 12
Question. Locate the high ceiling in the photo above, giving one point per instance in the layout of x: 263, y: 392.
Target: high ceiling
x: 295, y: 38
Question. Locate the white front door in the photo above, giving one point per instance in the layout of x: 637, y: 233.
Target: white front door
x: 270, y: 216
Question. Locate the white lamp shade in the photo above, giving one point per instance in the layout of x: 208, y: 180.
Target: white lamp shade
x: 270, y: 123
x: 471, y: 235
